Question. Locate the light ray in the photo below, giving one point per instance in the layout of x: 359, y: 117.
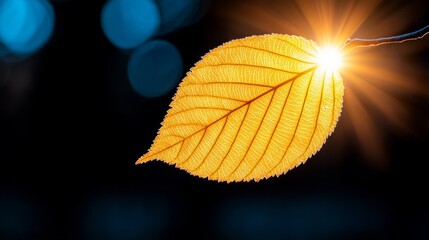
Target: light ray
x: 380, y: 82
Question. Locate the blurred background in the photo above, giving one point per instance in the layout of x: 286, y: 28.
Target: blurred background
x: 84, y: 86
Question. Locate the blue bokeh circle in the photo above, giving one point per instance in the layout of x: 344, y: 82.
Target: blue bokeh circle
x: 129, y: 23
x: 155, y: 68
x: 25, y: 25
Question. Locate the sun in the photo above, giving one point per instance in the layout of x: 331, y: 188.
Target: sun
x: 330, y: 58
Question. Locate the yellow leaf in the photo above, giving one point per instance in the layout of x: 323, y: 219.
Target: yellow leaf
x: 250, y: 109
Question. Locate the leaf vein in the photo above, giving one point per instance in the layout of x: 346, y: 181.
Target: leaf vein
x: 334, y: 102
x: 181, y: 124
x: 196, y: 146
x: 268, y: 51
x: 232, y: 83
x: 317, y: 117
x: 259, y: 127
x: 296, y: 128
x: 235, y: 138
x: 302, y: 50
x: 248, y: 65
x: 213, y: 145
x: 233, y: 110
x: 212, y: 96
x: 272, y: 134
x: 198, y: 108
x: 180, y: 149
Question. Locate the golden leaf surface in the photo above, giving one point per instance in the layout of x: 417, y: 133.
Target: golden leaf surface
x: 250, y: 109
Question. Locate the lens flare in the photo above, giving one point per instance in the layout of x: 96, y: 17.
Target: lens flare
x: 330, y: 58
x: 381, y: 83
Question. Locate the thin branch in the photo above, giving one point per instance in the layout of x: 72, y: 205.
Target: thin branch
x: 359, y: 42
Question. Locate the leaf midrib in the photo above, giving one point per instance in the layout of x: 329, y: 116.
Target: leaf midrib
x: 313, y: 68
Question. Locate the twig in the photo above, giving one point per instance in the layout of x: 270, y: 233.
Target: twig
x: 359, y: 42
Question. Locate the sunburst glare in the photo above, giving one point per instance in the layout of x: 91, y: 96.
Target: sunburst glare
x: 380, y: 82
x: 330, y: 58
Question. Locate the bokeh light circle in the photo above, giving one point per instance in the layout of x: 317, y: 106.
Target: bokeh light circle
x: 25, y: 25
x: 175, y: 14
x: 155, y: 68
x: 129, y: 23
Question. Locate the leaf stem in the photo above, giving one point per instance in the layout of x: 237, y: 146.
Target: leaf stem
x: 360, y: 42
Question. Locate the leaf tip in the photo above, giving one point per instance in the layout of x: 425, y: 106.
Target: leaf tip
x: 143, y: 159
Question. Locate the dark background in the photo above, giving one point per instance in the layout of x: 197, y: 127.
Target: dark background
x: 71, y: 129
